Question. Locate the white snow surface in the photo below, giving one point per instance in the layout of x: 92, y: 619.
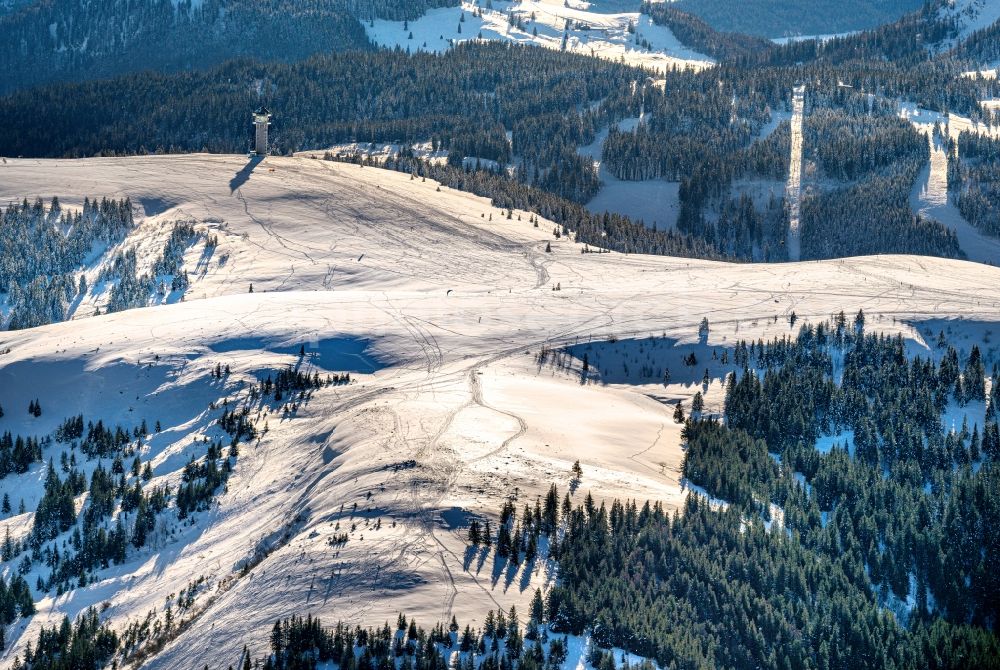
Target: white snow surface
x: 587, y: 30
x: 656, y: 202
x: 440, y: 312
x: 793, y: 188
x: 379, y: 152
x: 930, y: 195
x: 974, y: 15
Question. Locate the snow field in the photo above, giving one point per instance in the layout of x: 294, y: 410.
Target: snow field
x: 586, y: 31
x: 440, y: 314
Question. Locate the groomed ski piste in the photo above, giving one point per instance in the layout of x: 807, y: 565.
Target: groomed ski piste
x: 793, y: 188
x: 439, y: 305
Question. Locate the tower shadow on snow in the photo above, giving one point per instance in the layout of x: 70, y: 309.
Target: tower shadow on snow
x: 243, y: 175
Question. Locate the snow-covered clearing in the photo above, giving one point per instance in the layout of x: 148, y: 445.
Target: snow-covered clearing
x: 656, y: 202
x: 844, y: 440
x: 554, y: 24
x: 439, y: 310
x: 777, y: 116
x: 985, y: 73
x: 379, y: 152
x: 930, y: 192
x: 790, y: 39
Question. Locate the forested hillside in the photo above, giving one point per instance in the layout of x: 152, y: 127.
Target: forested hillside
x: 983, y: 46
x: 777, y: 18
x: 871, y: 161
x: 803, y: 551
x: 910, y: 40
x: 42, y: 247
x: 467, y: 100
x: 707, y: 138
x: 696, y: 33
x: 66, y: 40
x: 974, y: 179
x: 463, y: 101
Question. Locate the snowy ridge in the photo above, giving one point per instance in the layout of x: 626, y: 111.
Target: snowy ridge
x: 438, y: 304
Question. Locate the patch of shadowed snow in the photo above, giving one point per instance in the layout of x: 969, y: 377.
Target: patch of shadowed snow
x: 844, y: 439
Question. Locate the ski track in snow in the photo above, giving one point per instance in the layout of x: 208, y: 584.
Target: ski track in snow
x: 453, y: 308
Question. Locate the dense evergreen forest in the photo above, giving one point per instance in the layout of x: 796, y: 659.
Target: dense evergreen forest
x: 930, y: 543
x: 902, y: 41
x: 66, y: 40
x: 469, y: 92
x: 708, y: 138
x: 699, y: 35
x: 982, y: 47
x: 974, y: 180
x: 905, y: 41
x: 463, y: 100
x: 874, y: 160
x: 708, y: 589
x: 776, y: 18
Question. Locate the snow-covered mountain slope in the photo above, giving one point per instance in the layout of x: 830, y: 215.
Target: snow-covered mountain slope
x: 439, y: 306
x: 581, y: 27
x: 972, y: 15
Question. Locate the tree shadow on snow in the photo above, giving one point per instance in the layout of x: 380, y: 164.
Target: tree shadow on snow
x: 648, y: 360
x: 201, y: 267
x: 469, y: 555
x: 529, y: 570
x: 332, y: 354
x: 477, y: 555
x: 153, y: 206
